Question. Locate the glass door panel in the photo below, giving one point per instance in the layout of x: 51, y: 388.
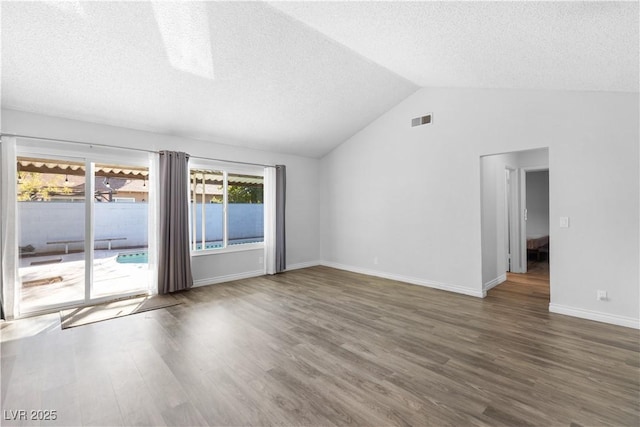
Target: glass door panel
x: 120, y: 211
x: 51, y: 232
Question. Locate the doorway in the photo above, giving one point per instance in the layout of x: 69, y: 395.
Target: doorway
x: 515, y: 228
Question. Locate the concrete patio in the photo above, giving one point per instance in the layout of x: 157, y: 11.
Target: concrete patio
x: 58, y: 278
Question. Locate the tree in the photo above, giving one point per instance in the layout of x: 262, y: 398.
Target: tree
x: 248, y: 194
x: 34, y: 186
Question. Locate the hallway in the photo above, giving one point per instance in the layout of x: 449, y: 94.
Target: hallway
x: 530, y: 289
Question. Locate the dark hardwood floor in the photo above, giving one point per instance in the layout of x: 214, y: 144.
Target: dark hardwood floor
x: 529, y: 290
x: 326, y: 347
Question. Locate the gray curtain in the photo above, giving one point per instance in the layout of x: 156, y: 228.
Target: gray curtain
x: 281, y: 190
x: 174, y: 259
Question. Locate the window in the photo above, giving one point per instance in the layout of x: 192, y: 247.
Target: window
x: 227, y: 209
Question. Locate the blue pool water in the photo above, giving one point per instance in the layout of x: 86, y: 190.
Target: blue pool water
x: 133, y: 258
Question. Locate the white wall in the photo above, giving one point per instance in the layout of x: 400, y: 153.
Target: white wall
x: 537, y: 183
x: 426, y: 181
x: 302, y: 217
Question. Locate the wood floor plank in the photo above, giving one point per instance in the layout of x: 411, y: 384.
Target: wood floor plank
x: 322, y: 347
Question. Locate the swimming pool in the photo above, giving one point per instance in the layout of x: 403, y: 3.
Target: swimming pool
x: 133, y: 258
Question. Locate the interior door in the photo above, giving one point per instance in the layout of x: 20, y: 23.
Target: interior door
x: 513, y: 238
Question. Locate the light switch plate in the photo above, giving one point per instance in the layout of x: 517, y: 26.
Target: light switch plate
x: 564, y: 222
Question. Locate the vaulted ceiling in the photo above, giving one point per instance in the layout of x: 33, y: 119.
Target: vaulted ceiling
x: 544, y: 45
x: 296, y: 77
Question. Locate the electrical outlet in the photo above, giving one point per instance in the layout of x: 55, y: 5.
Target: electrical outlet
x: 260, y: 260
x: 602, y: 295
x: 375, y: 260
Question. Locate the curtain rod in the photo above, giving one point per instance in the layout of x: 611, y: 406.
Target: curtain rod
x: 232, y: 161
x: 69, y: 141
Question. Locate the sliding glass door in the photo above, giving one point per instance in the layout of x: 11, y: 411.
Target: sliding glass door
x: 51, y: 231
x: 121, y: 243
x: 82, y: 229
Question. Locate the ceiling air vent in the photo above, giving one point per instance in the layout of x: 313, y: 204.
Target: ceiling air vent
x: 419, y: 121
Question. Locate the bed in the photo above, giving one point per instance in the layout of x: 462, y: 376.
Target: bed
x: 537, y: 246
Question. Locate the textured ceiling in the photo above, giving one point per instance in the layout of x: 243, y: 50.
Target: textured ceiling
x: 526, y: 45
x: 237, y: 73
x: 296, y: 77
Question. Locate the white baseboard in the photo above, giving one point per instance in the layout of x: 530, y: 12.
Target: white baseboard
x: 493, y: 283
x: 302, y: 265
x: 227, y: 278
x: 248, y: 274
x: 598, y: 316
x: 411, y: 280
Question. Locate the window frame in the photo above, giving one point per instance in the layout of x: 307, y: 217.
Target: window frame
x: 226, y: 169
